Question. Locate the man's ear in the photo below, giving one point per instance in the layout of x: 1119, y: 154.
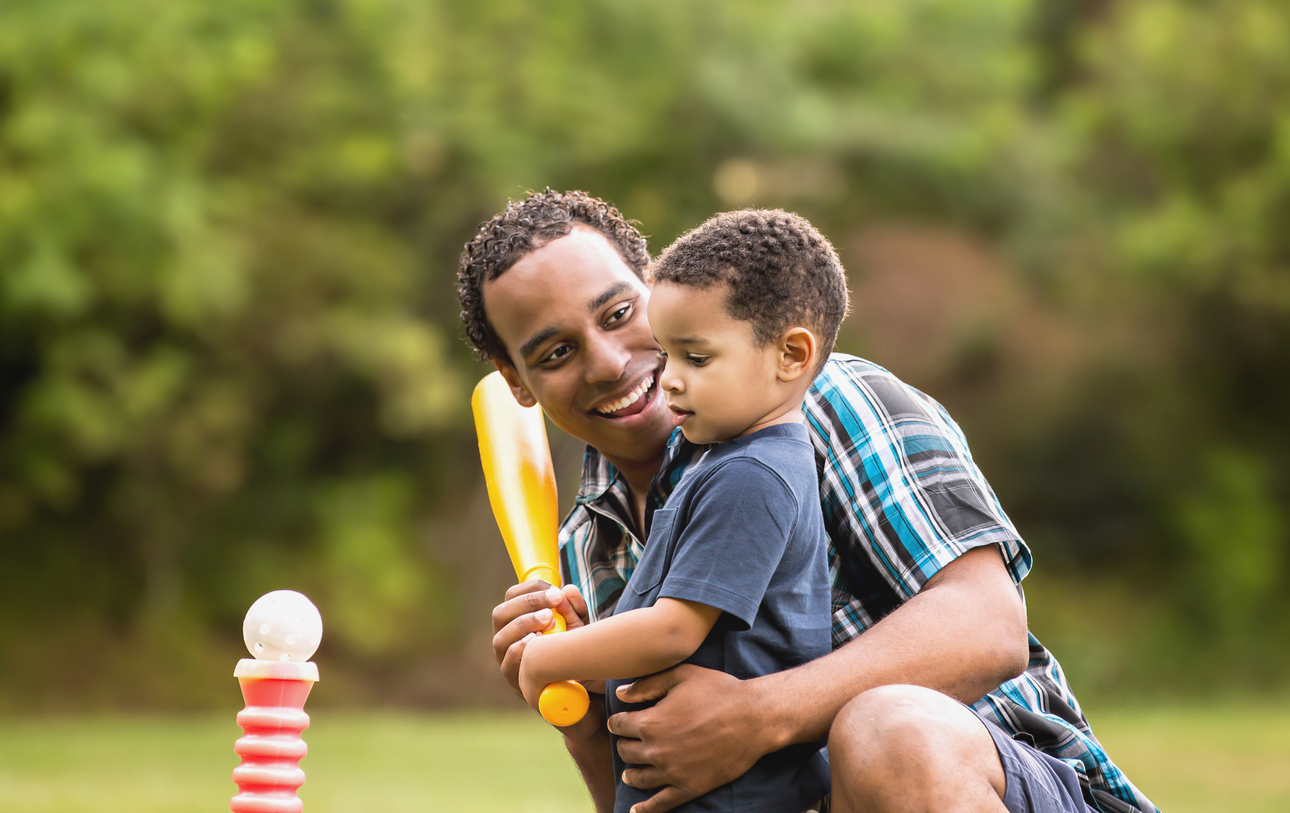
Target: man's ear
x: 798, y: 350
x: 512, y: 377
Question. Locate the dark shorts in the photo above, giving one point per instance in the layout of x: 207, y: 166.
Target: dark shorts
x: 1037, y: 783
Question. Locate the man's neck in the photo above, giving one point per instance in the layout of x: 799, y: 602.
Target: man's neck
x: 639, y: 476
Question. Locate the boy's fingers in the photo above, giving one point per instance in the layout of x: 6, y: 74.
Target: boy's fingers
x: 666, y: 799
x: 510, y: 665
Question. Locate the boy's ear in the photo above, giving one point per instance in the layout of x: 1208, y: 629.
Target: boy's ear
x: 512, y: 377
x: 798, y: 350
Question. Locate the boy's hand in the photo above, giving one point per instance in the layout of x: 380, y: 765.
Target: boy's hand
x: 528, y: 608
x: 530, y: 688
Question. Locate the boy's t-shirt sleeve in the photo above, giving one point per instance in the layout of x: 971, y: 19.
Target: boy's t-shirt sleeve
x: 737, y: 526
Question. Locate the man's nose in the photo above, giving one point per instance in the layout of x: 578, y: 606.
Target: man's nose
x: 607, y: 359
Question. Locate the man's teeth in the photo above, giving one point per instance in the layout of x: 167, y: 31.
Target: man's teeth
x: 628, y: 399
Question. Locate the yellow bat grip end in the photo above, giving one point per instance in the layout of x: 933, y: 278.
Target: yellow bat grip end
x: 563, y: 703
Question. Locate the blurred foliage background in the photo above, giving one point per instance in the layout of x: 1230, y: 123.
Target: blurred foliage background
x: 230, y: 359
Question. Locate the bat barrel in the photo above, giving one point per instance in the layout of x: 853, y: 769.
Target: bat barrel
x: 521, y: 489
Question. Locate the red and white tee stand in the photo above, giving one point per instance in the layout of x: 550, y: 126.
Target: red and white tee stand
x: 271, y: 747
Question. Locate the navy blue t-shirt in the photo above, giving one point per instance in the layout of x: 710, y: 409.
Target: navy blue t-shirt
x: 743, y: 532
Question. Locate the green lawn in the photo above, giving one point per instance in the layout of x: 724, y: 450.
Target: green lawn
x: 1187, y: 759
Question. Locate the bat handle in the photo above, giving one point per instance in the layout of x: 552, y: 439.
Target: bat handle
x: 563, y: 703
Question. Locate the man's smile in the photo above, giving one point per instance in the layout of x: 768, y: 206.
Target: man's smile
x: 631, y: 403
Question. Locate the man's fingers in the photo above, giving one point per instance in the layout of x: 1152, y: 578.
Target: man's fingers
x: 666, y: 799
x: 635, y: 752
x: 519, y: 627
x: 579, y: 606
x: 530, y: 586
x: 625, y: 724
x: 643, y: 777
x: 524, y: 604
x: 649, y: 689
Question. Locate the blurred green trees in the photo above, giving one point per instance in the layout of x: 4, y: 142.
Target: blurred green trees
x: 230, y: 362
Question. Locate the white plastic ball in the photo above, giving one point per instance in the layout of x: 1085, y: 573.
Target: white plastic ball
x: 282, y: 626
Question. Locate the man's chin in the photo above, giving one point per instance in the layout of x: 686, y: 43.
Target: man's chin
x: 642, y: 436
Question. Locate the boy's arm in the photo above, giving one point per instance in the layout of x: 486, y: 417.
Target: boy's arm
x: 631, y: 644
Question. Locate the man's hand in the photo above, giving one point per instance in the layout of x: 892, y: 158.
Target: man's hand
x: 701, y: 734
x: 531, y: 607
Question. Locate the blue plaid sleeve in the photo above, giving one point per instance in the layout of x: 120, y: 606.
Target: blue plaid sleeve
x: 901, y: 494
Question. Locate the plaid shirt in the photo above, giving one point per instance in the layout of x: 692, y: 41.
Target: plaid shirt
x: 902, y: 498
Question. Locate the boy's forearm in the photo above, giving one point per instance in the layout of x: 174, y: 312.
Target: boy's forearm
x: 637, y: 642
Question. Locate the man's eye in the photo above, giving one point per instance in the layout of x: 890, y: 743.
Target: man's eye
x: 558, y: 354
x: 618, y: 315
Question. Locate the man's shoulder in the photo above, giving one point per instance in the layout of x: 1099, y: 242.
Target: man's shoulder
x: 864, y: 392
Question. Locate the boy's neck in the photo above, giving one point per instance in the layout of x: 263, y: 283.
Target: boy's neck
x: 791, y: 415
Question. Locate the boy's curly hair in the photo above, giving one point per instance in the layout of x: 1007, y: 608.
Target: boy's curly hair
x: 522, y: 227
x: 779, y: 271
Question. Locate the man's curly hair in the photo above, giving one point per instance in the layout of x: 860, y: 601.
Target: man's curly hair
x: 779, y: 272
x: 522, y: 227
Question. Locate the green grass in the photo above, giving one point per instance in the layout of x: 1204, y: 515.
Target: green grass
x: 1188, y: 759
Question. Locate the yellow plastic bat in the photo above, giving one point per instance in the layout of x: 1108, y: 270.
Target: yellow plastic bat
x: 521, y: 488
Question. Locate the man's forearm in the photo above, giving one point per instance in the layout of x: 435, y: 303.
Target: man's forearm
x: 963, y: 635
x: 589, y: 744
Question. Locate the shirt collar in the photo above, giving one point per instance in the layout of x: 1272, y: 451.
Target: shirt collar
x: 599, y: 475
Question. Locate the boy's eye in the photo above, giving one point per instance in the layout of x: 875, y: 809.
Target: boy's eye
x: 697, y: 361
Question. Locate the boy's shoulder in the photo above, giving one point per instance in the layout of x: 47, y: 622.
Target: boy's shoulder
x: 777, y: 456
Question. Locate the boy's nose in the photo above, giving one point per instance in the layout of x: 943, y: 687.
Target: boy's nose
x: 669, y: 380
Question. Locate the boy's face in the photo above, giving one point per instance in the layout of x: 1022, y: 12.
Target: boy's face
x: 718, y: 383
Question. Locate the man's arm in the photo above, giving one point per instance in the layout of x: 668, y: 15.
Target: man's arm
x: 529, y: 607
x: 963, y: 634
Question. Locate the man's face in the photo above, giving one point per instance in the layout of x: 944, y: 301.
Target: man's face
x: 572, y: 317
x: 717, y: 382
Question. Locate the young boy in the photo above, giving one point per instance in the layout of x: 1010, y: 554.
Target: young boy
x: 734, y: 572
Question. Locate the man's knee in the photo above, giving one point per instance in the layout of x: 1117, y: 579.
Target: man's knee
x: 892, y: 739
x: 884, y: 728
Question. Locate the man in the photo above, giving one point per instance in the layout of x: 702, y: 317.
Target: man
x: 923, y: 560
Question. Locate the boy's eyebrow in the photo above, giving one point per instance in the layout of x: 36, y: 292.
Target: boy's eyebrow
x: 608, y: 294
x: 690, y: 341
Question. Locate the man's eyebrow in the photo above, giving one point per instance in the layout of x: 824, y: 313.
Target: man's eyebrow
x: 537, y: 340
x: 609, y: 293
